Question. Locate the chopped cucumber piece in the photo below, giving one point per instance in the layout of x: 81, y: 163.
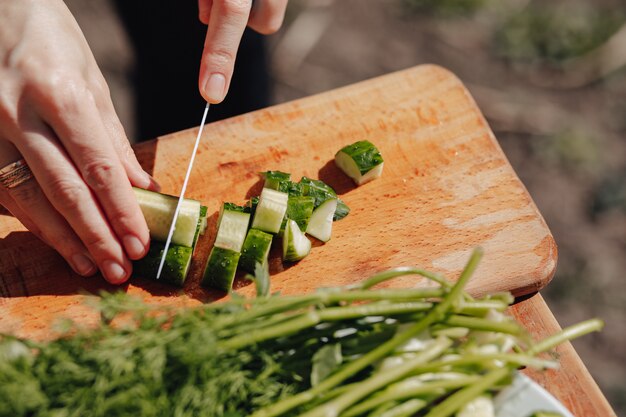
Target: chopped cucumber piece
x: 158, y: 210
x: 361, y: 161
x: 295, y: 244
x: 255, y: 249
x: 177, y: 262
x: 270, y: 211
x: 479, y: 407
x: 321, y: 222
x: 300, y: 209
x: 322, y: 192
x: 274, y: 178
x: 232, y: 227
x: 294, y: 189
x: 202, y: 224
x: 220, y: 269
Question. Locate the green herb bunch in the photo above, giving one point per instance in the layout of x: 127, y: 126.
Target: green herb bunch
x: 347, y: 351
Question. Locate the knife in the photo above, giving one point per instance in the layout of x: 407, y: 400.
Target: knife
x: 182, y: 193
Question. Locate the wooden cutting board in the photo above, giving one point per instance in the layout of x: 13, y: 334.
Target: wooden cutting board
x: 446, y: 188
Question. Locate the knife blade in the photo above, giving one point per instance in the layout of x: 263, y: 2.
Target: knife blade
x: 182, y: 192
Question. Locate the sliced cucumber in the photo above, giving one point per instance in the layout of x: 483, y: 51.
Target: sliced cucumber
x: 274, y: 178
x: 255, y: 249
x: 158, y: 210
x: 177, y: 262
x: 232, y: 227
x: 300, y: 209
x: 322, y: 192
x: 202, y: 224
x: 294, y: 189
x: 361, y: 161
x: 270, y: 211
x: 295, y: 244
x: 220, y: 269
x: 321, y: 222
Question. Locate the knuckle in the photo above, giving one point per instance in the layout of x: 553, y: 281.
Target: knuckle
x: 269, y: 27
x: 67, y: 194
x: 66, y: 94
x: 221, y: 57
x: 99, y: 174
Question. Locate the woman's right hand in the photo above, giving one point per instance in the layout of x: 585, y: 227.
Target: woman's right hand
x: 56, y: 113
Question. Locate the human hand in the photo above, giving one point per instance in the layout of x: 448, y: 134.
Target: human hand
x: 56, y: 113
x: 226, y: 20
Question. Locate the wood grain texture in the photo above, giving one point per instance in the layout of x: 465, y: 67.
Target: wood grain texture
x: 447, y: 187
x: 571, y: 384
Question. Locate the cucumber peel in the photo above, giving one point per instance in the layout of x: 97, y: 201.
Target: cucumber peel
x: 300, y: 209
x: 220, y: 269
x: 175, y: 269
x: 256, y: 249
x: 361, y: 161
x: 296, y: 245
x: 274, y: 178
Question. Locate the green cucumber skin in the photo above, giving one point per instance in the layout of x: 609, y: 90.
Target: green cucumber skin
x: 293, y: 233
x: 299, y: 209
x: 220, y: 269
x: 273, y: 179
x: 202, y: 224
x: 322, y: 192
x: 365, y: 155
x: 177, y: 262
x: 255, y: 250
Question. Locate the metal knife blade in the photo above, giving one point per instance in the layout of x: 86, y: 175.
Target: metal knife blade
x: 182, y: 192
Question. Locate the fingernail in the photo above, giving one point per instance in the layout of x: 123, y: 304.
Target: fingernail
x: 134, y: 248
x: 83, y: 265
x: 113, y: 272
x: 214, y: 87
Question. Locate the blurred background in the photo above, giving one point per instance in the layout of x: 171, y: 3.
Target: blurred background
x: 550, y: 79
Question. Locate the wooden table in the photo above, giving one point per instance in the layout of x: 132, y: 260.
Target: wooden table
x: 447, y: 187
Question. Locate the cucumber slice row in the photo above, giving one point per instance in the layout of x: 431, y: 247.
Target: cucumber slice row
x: 158, y: 210
x: 296, y: 245
x: 321, y: 222
x: 232, y: 227
x: 270, y: 211
x: 361, y: 161
x: 256, y: 249
x: 220, y: 269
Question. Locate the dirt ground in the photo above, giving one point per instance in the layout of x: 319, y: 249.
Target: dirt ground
x: 564, y: 138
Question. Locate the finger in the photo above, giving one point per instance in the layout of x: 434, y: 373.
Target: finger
x: 71, y: 197
x: 136, y: 174
x: 51, y: 226
x: 204, y: 10
x: 267, y: 16
x: 226, y: 25
x: 45, y: 222
x: 74, y: 117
